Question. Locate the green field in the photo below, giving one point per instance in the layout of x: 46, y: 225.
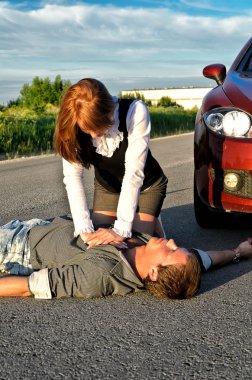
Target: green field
x: 31, y: 134
x: 170, y: 121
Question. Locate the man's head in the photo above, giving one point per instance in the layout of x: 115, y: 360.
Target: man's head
x: 172, y: 272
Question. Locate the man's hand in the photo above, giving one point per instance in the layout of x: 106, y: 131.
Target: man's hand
x: 245, y: 248
x: 103, y: 236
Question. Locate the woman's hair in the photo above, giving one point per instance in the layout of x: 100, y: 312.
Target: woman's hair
x: 86, y: 106
x: 176, y: 281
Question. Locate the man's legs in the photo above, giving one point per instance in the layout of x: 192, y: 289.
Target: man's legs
x: 15, y: 257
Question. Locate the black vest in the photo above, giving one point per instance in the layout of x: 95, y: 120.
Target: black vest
x: 109, y: 171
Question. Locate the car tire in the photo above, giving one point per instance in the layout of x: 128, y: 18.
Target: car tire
x: 205, y: 217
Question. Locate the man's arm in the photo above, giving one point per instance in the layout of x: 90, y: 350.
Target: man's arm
x: 14, y: 286
x: 243, y: 251
x: 65, y: 281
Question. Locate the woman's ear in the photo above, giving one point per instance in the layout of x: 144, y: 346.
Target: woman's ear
x: 153, y: 273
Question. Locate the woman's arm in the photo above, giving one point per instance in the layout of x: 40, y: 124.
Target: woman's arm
x: 139, y: 126
x: 73, y: 180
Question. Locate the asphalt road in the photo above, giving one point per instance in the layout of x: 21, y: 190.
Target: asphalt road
x: 138, y: 336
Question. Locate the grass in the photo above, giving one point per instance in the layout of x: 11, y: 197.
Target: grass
x: 29, y: 135
x: 26, y: 134
x: 170, y: 121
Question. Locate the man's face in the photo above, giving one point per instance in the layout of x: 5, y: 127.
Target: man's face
x: 165, y: 252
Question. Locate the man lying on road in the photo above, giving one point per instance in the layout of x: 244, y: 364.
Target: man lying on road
x: 48, y: 262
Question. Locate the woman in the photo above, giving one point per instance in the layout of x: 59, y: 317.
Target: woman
x: 94, y: 128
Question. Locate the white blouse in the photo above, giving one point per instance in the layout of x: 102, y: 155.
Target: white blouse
x: 138, y: 127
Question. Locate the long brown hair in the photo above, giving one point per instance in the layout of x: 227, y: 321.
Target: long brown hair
x: 86, y: 106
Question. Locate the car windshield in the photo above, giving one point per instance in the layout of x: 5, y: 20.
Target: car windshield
x: 247, y: 68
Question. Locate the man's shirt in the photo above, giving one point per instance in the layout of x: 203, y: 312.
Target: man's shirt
x: 73, y: 270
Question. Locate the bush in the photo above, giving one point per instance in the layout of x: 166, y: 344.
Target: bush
x: 26, y: 135
x: 135, y: 95
x: 166, y: 101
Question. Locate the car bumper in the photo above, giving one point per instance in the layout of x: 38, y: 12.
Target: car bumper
x: 215, y: 158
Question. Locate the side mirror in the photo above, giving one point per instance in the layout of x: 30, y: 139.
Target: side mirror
x: 217, y: 72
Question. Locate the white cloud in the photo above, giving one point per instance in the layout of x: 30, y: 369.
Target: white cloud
x: 111, y: 42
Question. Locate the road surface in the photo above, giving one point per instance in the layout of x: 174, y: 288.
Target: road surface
x: 134, y: 337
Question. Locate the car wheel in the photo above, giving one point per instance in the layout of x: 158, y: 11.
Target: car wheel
x: 207, y: 218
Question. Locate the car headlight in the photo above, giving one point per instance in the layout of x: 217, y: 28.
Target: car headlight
x: 229, y: 122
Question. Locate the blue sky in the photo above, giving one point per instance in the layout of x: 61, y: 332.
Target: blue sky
x: 126, y: 44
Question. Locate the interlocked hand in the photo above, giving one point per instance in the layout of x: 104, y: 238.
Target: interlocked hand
x: 103, y: 236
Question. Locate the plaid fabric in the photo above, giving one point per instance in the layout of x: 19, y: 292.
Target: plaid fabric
x: 15, y: 247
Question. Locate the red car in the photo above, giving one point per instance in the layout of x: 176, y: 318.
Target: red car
x: 223, y: 143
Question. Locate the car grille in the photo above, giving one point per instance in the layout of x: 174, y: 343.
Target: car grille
x: 244, y: 187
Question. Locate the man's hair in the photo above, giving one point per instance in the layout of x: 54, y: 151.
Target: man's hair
x: 176, y: 281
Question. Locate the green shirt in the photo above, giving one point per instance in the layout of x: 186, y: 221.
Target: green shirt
x: 74, y: 270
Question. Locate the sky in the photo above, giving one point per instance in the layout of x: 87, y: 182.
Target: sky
x: 127, y: 45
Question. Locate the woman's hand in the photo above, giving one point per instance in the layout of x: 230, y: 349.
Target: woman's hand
x: 245, y: 248
x: 103, y: 236
x: 86, y: 236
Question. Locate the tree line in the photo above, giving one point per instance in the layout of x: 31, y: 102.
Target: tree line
x: 40, y: 93
x: 43, y: 93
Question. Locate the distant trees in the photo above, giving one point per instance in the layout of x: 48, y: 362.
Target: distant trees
x: 135, y: 95
x: 44, y: 95
x: 41, y: 93
x: 2, y: 107
x: 166, y: 101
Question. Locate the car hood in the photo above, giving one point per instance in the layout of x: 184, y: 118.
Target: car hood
x: 238, y: 89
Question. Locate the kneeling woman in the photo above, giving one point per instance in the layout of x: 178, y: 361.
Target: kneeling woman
x: 94, y: 128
